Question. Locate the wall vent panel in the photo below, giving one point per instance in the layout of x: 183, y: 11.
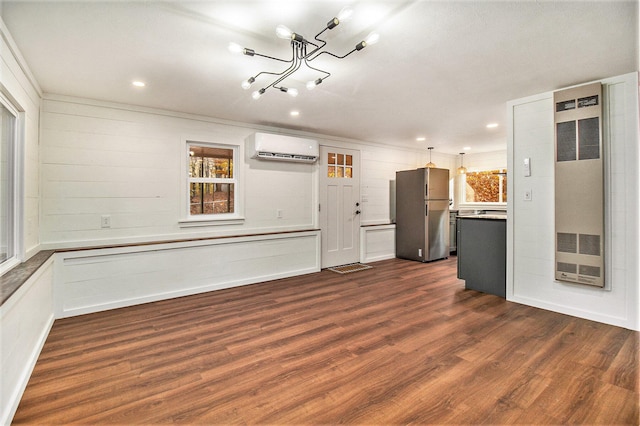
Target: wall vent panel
x: 590, y: 244
x: 579, y: 185
x: 570, y: 268
x: 567, y: 243
x: 592, y: 271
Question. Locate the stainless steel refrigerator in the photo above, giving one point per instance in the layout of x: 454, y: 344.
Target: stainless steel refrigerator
x: 422, y: 214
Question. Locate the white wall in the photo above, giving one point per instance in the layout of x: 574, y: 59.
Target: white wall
x: 100, y: 158
x: 530, y: 277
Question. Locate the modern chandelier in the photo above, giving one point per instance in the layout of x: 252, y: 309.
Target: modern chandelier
x: 303, y: 52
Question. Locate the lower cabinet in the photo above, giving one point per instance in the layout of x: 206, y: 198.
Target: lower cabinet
x: 482, y: 254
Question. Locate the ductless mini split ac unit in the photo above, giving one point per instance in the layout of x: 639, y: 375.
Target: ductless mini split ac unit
x: 274, y: 147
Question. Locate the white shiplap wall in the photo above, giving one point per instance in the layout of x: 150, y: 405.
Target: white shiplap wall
x: 530, y: 278
x: 123, y: 161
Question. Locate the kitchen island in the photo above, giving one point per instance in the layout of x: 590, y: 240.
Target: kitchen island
x: 482, y: 252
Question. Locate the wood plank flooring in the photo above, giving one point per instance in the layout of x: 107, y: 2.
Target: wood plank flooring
x: 400, y: 343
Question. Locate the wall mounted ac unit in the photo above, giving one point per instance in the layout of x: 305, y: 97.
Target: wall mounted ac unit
x: 269, y: 146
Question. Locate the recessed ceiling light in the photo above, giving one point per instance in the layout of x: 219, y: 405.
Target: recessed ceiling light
x: 294, y: 113
x: 138, y: 83
x: 467, y: 148
x: 421, y: 138
x: 492, y: 125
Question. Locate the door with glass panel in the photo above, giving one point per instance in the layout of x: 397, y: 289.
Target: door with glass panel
x: 339, y: 205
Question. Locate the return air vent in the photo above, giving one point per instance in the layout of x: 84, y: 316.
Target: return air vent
x: 567, y: 243
x: 570, y: 268
x: 590, y: 244
x: 592, y: 271
x: 579, y: 185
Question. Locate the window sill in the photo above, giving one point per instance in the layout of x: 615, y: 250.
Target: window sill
x: 191, y: 223
x: 482, y: 206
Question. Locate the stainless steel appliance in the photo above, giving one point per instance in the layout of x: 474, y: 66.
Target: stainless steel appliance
x: 422, y: 214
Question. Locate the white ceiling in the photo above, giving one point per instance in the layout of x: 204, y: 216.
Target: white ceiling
x: 442, y: 69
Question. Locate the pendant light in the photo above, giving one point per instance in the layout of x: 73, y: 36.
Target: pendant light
x: 430, y: 165
x: 462, y: 169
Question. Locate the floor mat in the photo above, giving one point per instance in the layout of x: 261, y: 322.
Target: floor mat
x: 352, y: 267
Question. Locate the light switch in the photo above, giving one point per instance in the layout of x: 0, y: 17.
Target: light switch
x: 527, y: 166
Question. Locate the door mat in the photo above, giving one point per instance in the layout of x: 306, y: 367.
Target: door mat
x: 352, y: 267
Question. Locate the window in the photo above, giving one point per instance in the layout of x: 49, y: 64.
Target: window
x: 211, y: 184
x: 8, y: 192
x: 339, y: 165
x: 489, y: 186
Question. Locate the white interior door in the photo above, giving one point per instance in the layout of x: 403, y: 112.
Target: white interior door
x: 339, y: 205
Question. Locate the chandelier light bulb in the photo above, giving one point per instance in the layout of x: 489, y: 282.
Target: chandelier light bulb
x: 372, y: 38
x: 345, y: 14
x: 257, y: 94
x: 283, y: 32
x: 247, y: 83
x: 235, y: 48
x: 313, y: 83
x: 292, y: 92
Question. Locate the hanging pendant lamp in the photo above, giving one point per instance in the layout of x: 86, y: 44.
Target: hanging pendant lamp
x: 462, y: 169
x: 430, y: 165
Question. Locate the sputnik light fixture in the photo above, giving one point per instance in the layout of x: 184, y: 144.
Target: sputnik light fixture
x: 430, y: 165
x: 462, y: 170
x: 303, y: 52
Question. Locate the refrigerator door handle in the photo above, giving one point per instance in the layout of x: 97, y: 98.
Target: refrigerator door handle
x: 426, y: 209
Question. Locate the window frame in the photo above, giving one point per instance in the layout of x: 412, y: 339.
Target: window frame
x: 237, y: 217
x: 16, y: 186
x: 464, y: 204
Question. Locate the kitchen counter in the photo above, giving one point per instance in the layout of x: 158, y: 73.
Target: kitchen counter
x: 491, y: 216
x: 482, y: 252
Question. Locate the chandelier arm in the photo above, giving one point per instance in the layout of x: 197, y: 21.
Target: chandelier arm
x: 332, y: 54
x: 271, y: 57
x: 292, y: 61
x: 286, y: 74
x: 328, y: 74
x: 324, y: 43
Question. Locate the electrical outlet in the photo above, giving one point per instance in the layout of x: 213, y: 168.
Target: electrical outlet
x: 105, y: 221
x: 527, y: 195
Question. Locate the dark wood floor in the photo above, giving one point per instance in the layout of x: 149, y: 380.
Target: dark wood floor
x: 401, y: 343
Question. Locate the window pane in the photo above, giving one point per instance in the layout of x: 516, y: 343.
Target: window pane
x: 7, y: 167
x: 211, y: 198
x: 331, y: 158
x: 340, y: 159
x: 340, y: 171
x: 348, y: 172
x: 349, y: 160
x: 210, y: 162
x: 485, y: 187
x: 331, y: 171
